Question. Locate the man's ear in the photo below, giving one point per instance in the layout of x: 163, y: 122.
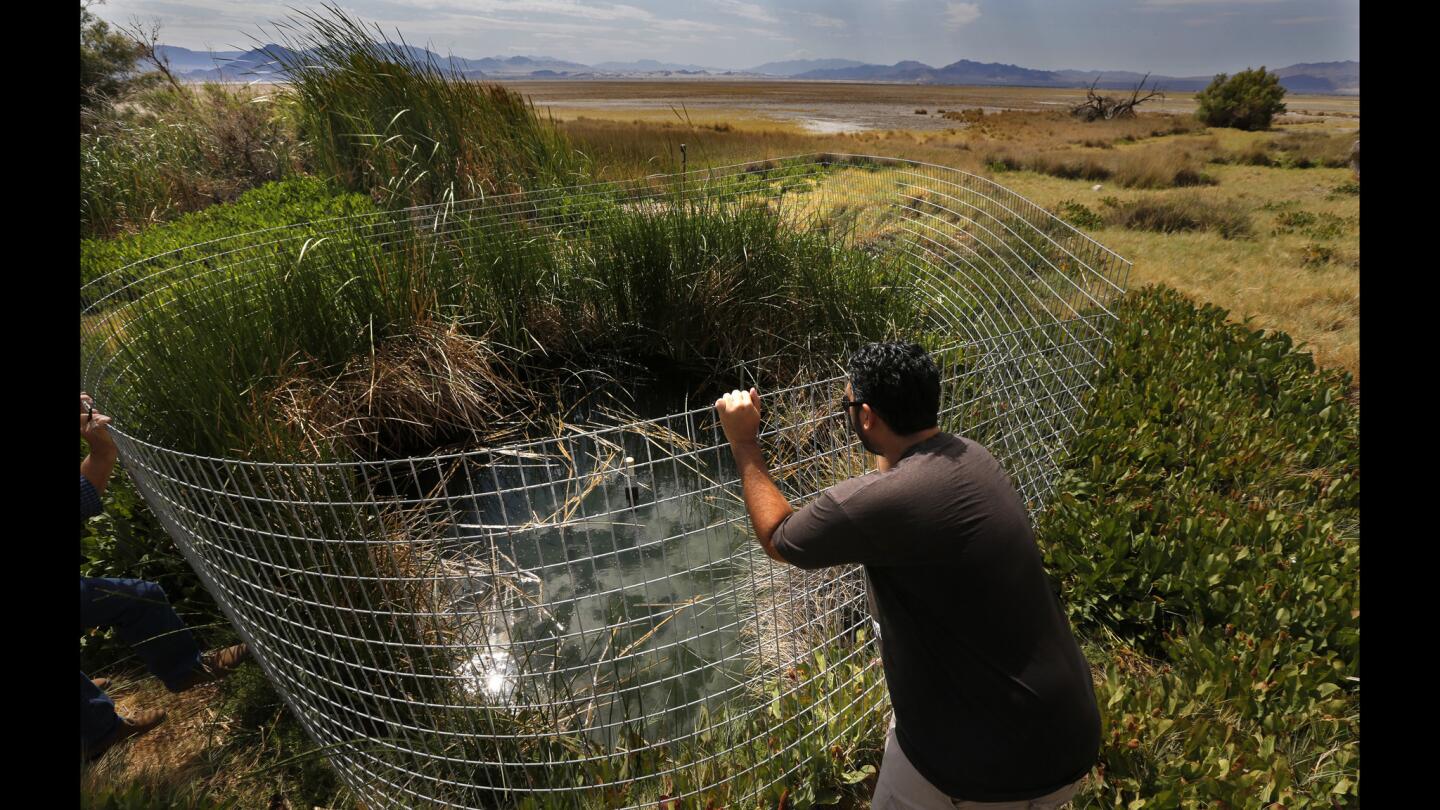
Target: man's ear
x: 867, y: 417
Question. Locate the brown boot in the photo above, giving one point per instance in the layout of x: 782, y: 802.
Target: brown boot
x: 214, y: 665
x: 101, y: 683
x: 129, y: 726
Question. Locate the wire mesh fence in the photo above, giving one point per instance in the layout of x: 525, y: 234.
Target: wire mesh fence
x: 584, y: 619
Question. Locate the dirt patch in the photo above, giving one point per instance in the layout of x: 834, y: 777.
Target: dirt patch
x: 182, y: 749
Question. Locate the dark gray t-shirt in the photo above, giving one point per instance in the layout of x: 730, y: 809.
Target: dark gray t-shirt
x: 993, y: 698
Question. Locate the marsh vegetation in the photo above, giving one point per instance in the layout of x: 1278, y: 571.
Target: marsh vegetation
x: 402, y: 331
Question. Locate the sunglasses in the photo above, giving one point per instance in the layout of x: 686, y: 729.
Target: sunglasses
x: 850, y: 403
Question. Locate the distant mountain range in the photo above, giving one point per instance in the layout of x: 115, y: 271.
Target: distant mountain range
x: 261, y: 64
x: 795, y: 67
x: 1323, y: 77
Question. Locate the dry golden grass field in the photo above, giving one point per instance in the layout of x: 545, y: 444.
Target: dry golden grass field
x: 1264, y: 224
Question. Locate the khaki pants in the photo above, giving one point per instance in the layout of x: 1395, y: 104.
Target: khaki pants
x: 901, y: 787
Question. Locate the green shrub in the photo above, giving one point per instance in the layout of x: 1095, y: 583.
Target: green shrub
x: 1078, y: 215
x: 1350, y: 187
x: 1247, y: 100
x: 173, y: 151
x: 1316, y: 226
x: 1207, y: 522
x: 107, y: 62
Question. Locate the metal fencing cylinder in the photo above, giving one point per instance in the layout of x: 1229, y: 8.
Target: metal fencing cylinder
x: 584, y: 619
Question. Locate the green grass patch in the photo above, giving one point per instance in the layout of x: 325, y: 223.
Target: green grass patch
x: 1350, y: 189
x: 194, y: 236
x: 1293, y: 150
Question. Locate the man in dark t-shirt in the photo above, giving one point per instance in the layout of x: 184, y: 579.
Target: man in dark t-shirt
x: 993, y: 700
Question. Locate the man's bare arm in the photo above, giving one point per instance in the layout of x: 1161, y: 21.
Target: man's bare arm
x: 763, y: 500
x: 740, y: 417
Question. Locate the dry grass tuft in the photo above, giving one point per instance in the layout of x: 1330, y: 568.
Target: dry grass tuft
x: 413, y: 393
x: 1189, y: 212
x: 1151, y: 167
x: 1309, y: 149
x: 969, y: 116
x: 181, y: 750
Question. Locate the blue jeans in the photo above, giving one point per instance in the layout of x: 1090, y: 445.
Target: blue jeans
x: 143, y: 618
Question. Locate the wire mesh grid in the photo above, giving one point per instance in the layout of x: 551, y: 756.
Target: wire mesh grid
x: 584, y: 619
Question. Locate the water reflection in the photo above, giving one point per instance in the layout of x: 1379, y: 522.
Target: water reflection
x: 615, y: 598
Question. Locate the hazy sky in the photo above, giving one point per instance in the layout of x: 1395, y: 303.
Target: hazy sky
x: 1173, y: 37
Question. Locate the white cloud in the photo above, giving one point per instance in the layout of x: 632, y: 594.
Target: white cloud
x: 749, y: 11
x: 821, y: 20
x: 532, y: 8
x: 1214, y: 19
x: 691, y: 26
x: 959, y: 15
x: 1178, y: 3
x: 1302, y: 20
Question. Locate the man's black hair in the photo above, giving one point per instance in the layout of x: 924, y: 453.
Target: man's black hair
x: 900, y: 382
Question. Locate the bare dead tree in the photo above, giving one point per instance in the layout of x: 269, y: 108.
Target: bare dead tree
x: 146, y: 37
x: 1096, y: 107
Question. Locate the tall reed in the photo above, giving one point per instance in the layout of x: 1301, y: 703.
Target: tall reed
x: 384, y: 120
x: 697, y: 283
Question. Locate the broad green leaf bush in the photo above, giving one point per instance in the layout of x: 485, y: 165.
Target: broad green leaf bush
x: 286, y: 202
x: 1206, y: 530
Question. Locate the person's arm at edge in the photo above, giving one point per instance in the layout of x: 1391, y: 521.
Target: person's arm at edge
x: 100, y: 462
x: 739, y: 413
x: 98, y: 465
